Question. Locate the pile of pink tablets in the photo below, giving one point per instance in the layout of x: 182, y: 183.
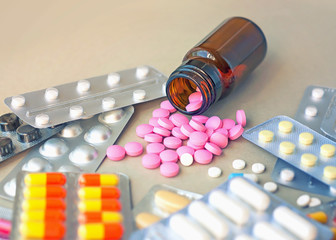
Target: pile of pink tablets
x: 173, y: 137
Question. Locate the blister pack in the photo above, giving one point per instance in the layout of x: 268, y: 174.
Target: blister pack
x: 72, y: 206
x: 16, y: 137
x: 328, y: 125
x: 71, y: 101
x: 161, y: 201
x: 298, y: 145
x: 237, y: 209
x: 79, y: 147
x: 5, y: 222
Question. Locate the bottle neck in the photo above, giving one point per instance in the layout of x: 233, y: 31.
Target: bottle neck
x: 194, y: 75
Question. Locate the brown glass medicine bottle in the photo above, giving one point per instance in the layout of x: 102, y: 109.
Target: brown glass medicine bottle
x: 225, y: 56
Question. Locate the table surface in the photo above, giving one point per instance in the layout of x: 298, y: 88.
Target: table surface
x: 47, y: 43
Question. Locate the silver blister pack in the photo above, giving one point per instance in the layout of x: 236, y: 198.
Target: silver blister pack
x: 237, y: 209
x: 16, y: 137
x: 76, y: 100
x: 328, y: 125
x: 288, y: 143
x: 79, y: 147
x: 68, y: 216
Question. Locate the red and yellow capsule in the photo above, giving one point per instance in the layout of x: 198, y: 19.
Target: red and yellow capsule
x: 95, y: 179
x: 42, y: 230
x: 104, y: 217
x: 45, y: 179
x: 41, y: 215
x: 99, y: 205
x: 101, y: 231
x: 44, y: 191
x: 319, y: 216
x: 43, y: 204
x: 98, y: 192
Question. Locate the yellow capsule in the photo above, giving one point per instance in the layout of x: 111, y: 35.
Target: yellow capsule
x: 99, y: 205
x: 44, y: 179
x: 100, y: 231
x: 333, y: 230
x: 42, y: 215
x: 42, y: 230
x: 44, y: 191
x: 94, y: 217
x: 41, y: 204
x: 98, y: 192
x: 320, y: 217
x: 95, y: 179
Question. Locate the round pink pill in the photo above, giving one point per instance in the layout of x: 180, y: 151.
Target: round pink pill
x: 160, y: 112
x: 195, y: 97
x: 154, y: 122
x: 155, y: 148
x: 198, y: 126
x: 186, y: 129
x: 219, y: 139
x: 161, y: 131
x: 198, y: 138
x: 203, y: 156
x: 194, y: 106
x: 196, y: 147
x: 214, y: 122
x: 178, y: 119
x: 213, y: 148
x: 169, y: 169
x: 143, y: 129
x: 200, y: 118
x: 168, y: 156
x: 241, y: 117
x: 223, y: 131
x: 115, y: 152
x: 133, y: 149
x: 185, y: 149
x: 151, y: 161
x: 228, y: 123
x: 172, y: 142
x: 236, y: 132
x: 166, y: 123
x: 176, y: 132
x: 209, y: 131
x: 168, y: 106
x: 153, y: 137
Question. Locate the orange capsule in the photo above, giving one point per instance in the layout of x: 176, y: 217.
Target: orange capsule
x: 95, y: 179
x: 42, y: 230
x: 98, y: 192
x: 43, y: 203
x: 100, y: 231
x: 44, y: 191
x: 41, y: 215
x: 45, y: 179
x: 105, y: 204
x: 95, y: 217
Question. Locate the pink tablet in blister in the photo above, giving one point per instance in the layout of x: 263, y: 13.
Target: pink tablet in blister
x: 172, y: 142
x: 176, y: 132
x: 178, y: 119
x: 169, y: 156
x: 169, y: 169
x: 155, y: 148
x: 203, y: 156
x: 151, y: 161
x: 133, y: 149
x: 143, y: 129
x: 115, y: 152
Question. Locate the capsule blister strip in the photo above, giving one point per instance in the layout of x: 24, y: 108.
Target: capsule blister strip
x: 237, y: 209
x: 328, y: 125
x: 289, y: 145
x: 79, y: 147
x: 329, y: 208
x: 88, y: 97
x: 16, y: 137
x: 159, y: 202
x: 81, y: 198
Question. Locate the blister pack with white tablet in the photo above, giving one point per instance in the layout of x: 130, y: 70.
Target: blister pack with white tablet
x: 84, y: 98
x: 79, y: 147
x: 16, y: 137
x: 161, y: 201
x: 238, y: 209
x: 298, y: 145
x: 72, y: 206
x: 328, y: 125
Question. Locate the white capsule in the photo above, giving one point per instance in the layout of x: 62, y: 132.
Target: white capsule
x: 317, y: 93
x: 238, y: 164
x: 271, y: 187
x: 51, y: 94
x: 41, y: 119
x: 186, y: 229
x: 295, y: 223
x: 287, y: 175
x: 108, y: 102
x: 303, y: 200
x: 186, y: 159
x: 214, y: 172
x: 311, y: 111
x: 83, y: 154
x: 314, y: 202
x: 97, y: 134
x: 265, y: 231
x: 18, y: 101
x: 113, y: 79
x: 209, y: 219
x: 83, y: 86
x: 250, y: 194
x: 76, y: 111
x: 139, y: 94
x: 142, y: 72
x: 232, y: 209
x: 258, y: 168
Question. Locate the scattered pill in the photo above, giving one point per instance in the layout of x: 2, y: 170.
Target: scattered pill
x: 169, y: 156
x: 176, y: 132
x: 194, y: 106
x: 44, y: 179
x: 317, y: 93
x: 198, y: 126
x: 214, y: 172
x: 210, y: 131
x: 51, y: 94
x: 308, y: 160
x: 161, y: 131
x: 271, y: 187
x: 238, y: 164
x: 285, y: 126
x: 145, y: 219
x: 115, y: 152
x: 200, y: 118
x: 228, y: 123
x: 153, y: 137
x: 195, y: 97
x: 213, y: 148
x: 258, y: 168
x: 241, y: 117
x: 186, y: 159
x: 155, y: 148
x: 306, y: 138
x: 169, y: 169
x: 168, y: 106
x: 236, y: 132
x: 198, y: 138
x: 41, y: 119
x: 287, y: 175
x: 83, y: 86
x: 303, y: 200
x: 161, y: 113
x: 219, y: 139
x: 151, y: 161
x: 186, y: 129
x: 327, y: 150
x: 172, y: 142
x: 203, y: 156
x: 94, y: 179
x: 287, y: 147
x: 251, y: 176
x: 266, y: 136
x: 330, y: 172
x: 223, y: 131
x: 170, y: 202
x: 166, y: 123
x: 144, y: 129
x: 18, y: 101
x: 142, y: 72
x: 154, y: 122
x: 133, y: 149
x: 311, y: 111
x: 185, y: 149
x: 100, y: 231
x: 214, y: 122
x: 314, y: 202
x: 178, y: 119
x: 195, y: 147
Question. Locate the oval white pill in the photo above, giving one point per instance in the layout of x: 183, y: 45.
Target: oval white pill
x: 83, y: 86
x: 139, y: 94
x: 142, y: 72
x: 186, y: 159
x: 303, y: 200
x: 214, y: 172
x: 317, y: 93
x: 113, y: 79
x: 76, y: 111
x: 287, y: 175
x: 41, y: 119
x: 108, y: 102
x: 314, y: 202
x: 18, y: 101
x: 311, y: 111
x: 271, y: 187
x: 238, y: 164
x: 258, y: 168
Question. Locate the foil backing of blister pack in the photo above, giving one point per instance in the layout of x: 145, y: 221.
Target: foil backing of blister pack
x: 76, y: 100
x: 247, y: 212
x: 79, y: 147
x: 71, y: 202
x: 317, y: 170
